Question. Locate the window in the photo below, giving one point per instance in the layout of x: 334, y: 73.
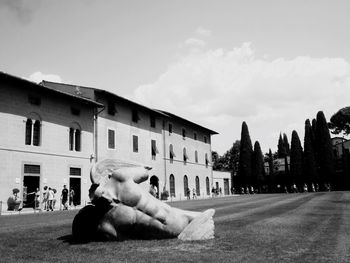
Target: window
x: 171, y: 153
x: 32, y: 132
x: 170, y: 128
x: 205, y: 139
x: 75, y: 138
x: 196, y: 156
x: 183, y: 134
x: 135, y: 144
x: 31, y: 169
x: 185, y: 157
x: 34, y: 100
x: 74, y: 171
x: 172, y: 185
x: 111, y: 139
x: 111, y: 108
x: 195, y: 136
x: 207, y: 185
x: 185, y: 185
x: 198, y: 189
x: 206, y: 160
x: 75, y: 111
x: 135, y: 116
x: 153, y: 121
x: 154, y: 149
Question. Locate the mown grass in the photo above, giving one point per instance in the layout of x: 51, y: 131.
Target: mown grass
x: 256, y: 228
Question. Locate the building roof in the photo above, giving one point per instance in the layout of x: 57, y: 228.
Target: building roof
x: 89, y: 93
x: 6, y: 76
x: 173, y: 116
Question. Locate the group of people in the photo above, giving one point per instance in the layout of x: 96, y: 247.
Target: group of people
x: 188, y: 193
x: 45, y: 201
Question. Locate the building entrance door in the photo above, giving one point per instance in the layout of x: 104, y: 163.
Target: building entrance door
x: 154, y: 181
x: 75, y: 184
x: 226, y: 187
x: 30, y: 184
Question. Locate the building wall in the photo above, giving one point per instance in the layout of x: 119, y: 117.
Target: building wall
x: 191, y: 169
x: 53, y: 154
x: 125, y: 129
x: 219, y: 179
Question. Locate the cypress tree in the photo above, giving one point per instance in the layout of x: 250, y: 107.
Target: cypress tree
x: 258, y: 167
x: 296, y: 160
x: 324, y: 150
x: 281, y: 150
x: 245, y: 158
x: 310, y: 169
x: 286, y: 144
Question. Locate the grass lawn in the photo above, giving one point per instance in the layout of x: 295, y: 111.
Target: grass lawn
x: 312, y: 227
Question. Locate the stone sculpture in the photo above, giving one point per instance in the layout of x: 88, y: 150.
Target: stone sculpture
x: 122, y: 209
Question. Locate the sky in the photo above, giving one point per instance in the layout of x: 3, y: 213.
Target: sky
x: 270, y: 63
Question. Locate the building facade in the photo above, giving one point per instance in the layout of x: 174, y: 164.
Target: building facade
x: 54, y: 132
x: 46, y: 139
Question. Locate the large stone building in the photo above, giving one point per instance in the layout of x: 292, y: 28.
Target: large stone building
x: 53, y: 132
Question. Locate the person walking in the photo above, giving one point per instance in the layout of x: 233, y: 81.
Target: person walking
x: 71, y: 196
x: 64, y: 197
x: 51, y: 197
x: 45, y: 198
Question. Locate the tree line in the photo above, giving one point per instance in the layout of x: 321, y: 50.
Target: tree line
x: 293, y: 168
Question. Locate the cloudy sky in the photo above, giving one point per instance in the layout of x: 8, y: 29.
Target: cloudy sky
x: 271, y: 63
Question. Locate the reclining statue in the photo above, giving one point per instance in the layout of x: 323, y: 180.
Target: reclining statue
x: 122, y: 209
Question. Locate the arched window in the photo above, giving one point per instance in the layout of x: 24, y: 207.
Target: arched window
x: 172, y: 185
x: 33, y: 129
x: 185, y: 185
x: 198, y: 189
x: 28, y: 132
x: 206, y: 160
x: 207, y: 185
x: 196, y: 156
x: 75, y: 137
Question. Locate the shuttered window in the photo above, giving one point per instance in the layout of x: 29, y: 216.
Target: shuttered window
x: 135, y: 143
x: 172, y: 185
x: 111, y: 139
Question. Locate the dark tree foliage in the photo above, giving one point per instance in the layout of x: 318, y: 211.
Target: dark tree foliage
x: 281, y: 150
x: 245, y: 158
x: 340, y: 121
x: 217, y: 165
x: 309, y: 164
x: 296, y: 160
x: 286, y: 144
x: 229, y: 161
x: 258, y: 173
x: 324, y: 150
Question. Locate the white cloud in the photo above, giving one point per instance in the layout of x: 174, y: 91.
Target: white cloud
x: 38, y: 77
x: 195, y: 42
x: 221, y: 88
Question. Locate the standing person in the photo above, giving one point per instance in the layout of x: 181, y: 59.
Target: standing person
x: 45, y: 198
x: 64, y: 197
x: 188, y: 193
x: 194, y: 196
x: 71, y: 196
x: 51, y: 196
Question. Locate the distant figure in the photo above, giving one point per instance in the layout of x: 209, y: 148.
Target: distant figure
x: 152, y: 190
x: 194, y: 196
x: 45, y: 198
x: 14, y: 203
x: 188, y: 193
x: 51, y: 197
x: 71, y: 196
x: 213, y: 192
x: 64, y: 197
x: 36, y: 202
x: 220, y: 191
x: 312, y: 187
x: 305, y: 188
x: 295, y: 189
